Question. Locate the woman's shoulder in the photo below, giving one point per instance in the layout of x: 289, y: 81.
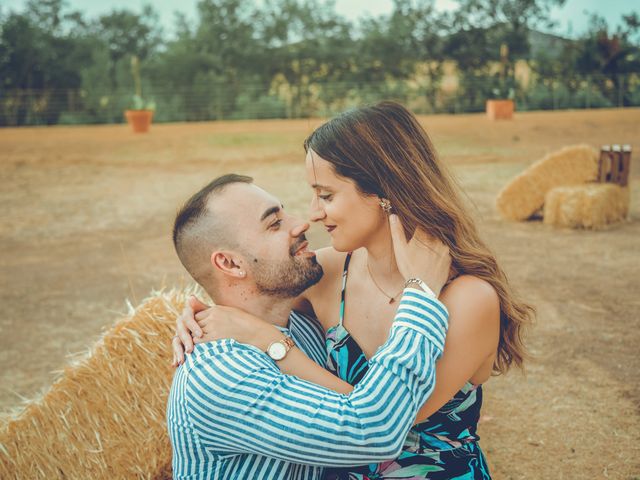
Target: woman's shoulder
x: 473, y: 296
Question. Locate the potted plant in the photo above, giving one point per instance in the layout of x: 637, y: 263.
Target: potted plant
x: 140, y: 115
x: 502, y: 106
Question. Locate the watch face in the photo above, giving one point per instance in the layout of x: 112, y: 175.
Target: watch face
x: 277, y: 351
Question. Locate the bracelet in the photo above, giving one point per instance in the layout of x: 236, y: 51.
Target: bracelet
x: 420, y: 285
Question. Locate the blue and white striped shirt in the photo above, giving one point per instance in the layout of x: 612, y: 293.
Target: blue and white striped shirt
x: 233, y: 415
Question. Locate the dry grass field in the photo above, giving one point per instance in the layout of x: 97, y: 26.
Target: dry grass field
x: 86, y: 218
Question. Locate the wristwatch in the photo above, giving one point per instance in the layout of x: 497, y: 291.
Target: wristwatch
x: 278, y: 350
x: 419, y: 284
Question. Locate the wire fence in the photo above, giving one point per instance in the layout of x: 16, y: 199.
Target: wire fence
x: 222, y: 101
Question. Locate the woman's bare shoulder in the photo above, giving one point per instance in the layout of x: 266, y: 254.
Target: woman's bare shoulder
x: 472, y: 296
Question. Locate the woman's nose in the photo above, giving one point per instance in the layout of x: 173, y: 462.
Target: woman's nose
x: 316, y: 212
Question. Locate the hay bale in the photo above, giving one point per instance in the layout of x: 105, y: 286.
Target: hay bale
x: 521, y: 197
x: 104, y: 417
x: 594, y: 205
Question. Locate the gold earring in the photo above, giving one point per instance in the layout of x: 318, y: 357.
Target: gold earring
x: 385, y: 205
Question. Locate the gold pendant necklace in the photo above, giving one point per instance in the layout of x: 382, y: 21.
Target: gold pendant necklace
x: 391, y: 299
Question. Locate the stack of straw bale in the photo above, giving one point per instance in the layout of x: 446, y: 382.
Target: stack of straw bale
x: 525, y: 194
x: 104, y: 418
x: 594, y: 205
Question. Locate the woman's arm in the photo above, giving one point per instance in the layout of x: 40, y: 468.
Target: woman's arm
x: 218, y: 322
x: 472, y: 339
x: 242, y: 401
x: 298, y: 364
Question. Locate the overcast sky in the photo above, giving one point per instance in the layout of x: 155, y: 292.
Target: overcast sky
x: 571, y: 18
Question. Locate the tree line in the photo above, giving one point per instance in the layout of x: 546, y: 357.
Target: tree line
x: 299, y: 58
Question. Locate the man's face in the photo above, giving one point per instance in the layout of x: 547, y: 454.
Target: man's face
x: 272, y: 242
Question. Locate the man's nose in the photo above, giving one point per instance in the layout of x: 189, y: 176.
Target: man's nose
x: 316, y: 212
x: 299, y: 229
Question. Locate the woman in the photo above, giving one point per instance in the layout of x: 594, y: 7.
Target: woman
x: 361, y: 166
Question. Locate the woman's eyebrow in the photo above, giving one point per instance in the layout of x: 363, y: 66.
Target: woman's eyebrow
x: 323, y: 187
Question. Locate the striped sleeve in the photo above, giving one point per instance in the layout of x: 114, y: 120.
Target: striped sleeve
x: 239, y: 402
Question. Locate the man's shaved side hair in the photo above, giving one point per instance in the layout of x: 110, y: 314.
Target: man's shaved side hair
x: 197, y: 231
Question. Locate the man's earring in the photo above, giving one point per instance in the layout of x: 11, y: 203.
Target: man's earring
x: 386, y: 205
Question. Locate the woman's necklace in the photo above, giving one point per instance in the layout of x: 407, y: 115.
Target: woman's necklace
x: 391, y: 298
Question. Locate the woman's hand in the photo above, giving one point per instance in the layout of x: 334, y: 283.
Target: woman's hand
x: 220, y: 322
x: 186, y: 330
x: 423, y: 256
x: 200, y: 323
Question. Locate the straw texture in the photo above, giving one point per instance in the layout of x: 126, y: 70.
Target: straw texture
x: 525, y: 194
x: 593, y: 206
x: 104, y: 417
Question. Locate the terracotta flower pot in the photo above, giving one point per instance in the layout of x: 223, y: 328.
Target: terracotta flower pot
x: 500, y: 109
x: 139, y: 119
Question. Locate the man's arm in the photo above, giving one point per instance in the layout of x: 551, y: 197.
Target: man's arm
x: 241, y: 403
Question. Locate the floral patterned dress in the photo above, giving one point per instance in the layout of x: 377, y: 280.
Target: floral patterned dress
x: 445, y: 446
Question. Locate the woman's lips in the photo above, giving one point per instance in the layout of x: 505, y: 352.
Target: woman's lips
x: 330, y: 228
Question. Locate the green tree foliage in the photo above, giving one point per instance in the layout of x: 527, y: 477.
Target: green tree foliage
x: 297, y: 58
x: 599, y: 69
x: 124, y: 34
x: 40, y: 54
x: 487, y: 38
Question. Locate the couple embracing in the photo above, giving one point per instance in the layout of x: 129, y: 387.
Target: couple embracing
x: 363, y: 360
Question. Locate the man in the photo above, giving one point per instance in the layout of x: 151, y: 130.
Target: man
x: 231, y: 413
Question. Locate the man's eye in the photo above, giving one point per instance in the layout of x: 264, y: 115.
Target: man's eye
x: 276, y: 225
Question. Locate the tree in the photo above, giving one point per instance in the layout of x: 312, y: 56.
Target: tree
x: 124, y: 34
x: 480, y: 29
x: 308, y: 44
x: 40, y: 58
x: 610, y: 56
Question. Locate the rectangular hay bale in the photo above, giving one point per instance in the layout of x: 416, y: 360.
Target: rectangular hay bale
x: 593, y: 205
x: 525, y: 194
x: 104, y: 417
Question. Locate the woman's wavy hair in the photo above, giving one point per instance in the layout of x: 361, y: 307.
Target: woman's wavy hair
x: 387, y: 153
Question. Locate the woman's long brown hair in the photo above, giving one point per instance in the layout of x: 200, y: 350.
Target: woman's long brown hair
x: 387, y: 153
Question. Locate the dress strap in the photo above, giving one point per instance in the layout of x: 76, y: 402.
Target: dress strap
x: 344, y: 286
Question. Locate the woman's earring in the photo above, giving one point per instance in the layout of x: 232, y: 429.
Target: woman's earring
x: 242, y: 274
x: 386, y: 205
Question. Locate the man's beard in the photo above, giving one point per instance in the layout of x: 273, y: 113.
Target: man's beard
x: 287, y: 278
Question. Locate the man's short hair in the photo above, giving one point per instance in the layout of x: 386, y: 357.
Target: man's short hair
x: 195, y: 230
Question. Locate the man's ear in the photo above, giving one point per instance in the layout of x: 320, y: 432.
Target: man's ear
x: 228, y: 263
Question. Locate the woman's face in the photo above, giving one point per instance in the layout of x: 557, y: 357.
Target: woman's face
x: 350, y: 217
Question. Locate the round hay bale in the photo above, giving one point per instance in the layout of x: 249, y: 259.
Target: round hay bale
x: 594, y: 205
x: 104, y: 417
x: 525, y: 194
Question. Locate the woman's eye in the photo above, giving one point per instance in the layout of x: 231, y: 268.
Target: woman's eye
x: 276, y: 225
x: 326, y: 197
